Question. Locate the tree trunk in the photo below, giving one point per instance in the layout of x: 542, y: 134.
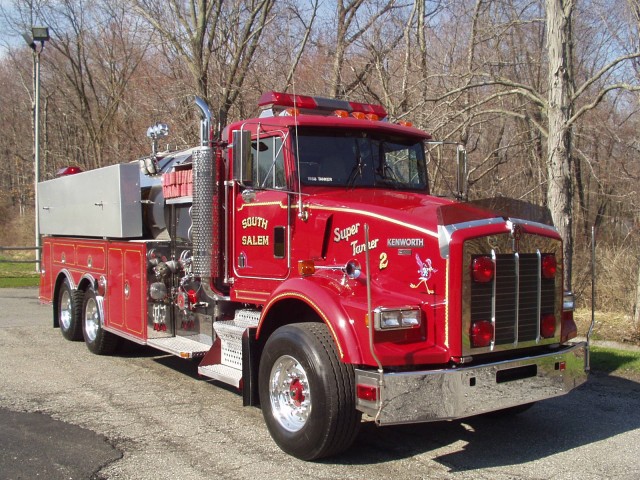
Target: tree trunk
x: 560, y: 186
x: 636, y: 307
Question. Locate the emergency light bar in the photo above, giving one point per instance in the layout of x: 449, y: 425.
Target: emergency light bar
x: 280, y: 102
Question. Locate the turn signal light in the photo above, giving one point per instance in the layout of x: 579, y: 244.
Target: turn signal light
x: 306, y: 268
x: 481, y: 333
x: 548, y: 325
x: 483, y: 269
x: 549, y: 266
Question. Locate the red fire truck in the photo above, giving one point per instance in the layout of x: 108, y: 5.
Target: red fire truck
x: 301, y: 257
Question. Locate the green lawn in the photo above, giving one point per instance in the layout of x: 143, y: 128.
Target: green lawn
x: 17, y: 274
x: 611, y: 360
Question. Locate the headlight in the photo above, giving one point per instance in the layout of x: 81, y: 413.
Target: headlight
x: 392, y: 318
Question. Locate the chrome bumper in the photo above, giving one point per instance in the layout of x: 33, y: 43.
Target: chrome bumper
x: 426, y: 396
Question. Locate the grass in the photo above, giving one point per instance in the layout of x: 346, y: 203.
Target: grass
x: 17, y: 274
x: 613, y: 360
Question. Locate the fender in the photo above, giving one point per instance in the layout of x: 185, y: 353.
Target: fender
x: 59, y: 279
x: 319, y: 295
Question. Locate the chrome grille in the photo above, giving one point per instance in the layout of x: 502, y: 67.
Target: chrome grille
x: 521, y: 296
x: 517, y: 298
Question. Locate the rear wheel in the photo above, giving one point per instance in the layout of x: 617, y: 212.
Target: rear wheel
x: 307, y: 394
x: 98, y: 340
x: 68, y: 311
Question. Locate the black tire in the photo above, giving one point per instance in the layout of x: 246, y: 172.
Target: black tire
x: 98, y: 340
x: 68, y: 312
x: 307, y: 394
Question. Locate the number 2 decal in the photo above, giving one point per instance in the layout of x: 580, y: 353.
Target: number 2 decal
x: 384, y: 261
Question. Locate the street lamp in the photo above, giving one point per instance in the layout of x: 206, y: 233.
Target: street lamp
x: 38, y: 35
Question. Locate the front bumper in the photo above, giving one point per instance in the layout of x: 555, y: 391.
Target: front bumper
x: 426, y: 396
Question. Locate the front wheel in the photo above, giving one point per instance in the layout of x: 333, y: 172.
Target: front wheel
x: 307, y: 394
x: 98, y: 340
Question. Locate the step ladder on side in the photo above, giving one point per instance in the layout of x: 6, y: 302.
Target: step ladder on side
x: 226, y: 353
x: 183, y: 347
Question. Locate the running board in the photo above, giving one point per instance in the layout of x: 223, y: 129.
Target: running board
x: 180, y: 346
x: 229, y: 375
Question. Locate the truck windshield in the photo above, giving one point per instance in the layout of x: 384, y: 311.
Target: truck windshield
x: 360, y: 159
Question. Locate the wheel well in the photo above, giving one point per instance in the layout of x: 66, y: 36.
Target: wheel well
x: 285, y: 312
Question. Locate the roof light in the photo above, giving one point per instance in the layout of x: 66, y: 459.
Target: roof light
x: 358, y: 115
x: 328, y: 106
x: 405, y: 123
x: 275, y: 98
x: 303, y: 101
x: 341, y: 113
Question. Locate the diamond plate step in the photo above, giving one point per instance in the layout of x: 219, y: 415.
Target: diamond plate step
x: 223, y: 373
x: 181, y: 346
x: 230, y: 333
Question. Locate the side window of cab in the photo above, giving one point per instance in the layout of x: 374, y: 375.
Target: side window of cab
x: 268, y: 163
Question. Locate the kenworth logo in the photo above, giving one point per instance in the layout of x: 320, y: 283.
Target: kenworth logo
x: 405, y: 242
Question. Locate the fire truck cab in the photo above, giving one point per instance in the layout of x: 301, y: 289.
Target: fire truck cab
x: 301, y: 257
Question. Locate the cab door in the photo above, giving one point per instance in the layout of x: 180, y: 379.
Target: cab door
x: 262, y: 217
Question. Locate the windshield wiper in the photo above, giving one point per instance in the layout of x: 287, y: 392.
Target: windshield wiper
x: 356, y: 172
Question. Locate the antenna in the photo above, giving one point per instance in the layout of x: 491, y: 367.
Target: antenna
x: 302, y: 213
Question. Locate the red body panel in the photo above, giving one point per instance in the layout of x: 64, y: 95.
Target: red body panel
x: 121, y: 263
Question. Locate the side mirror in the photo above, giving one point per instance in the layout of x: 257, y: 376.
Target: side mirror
x: 242, y: 157
x: 462, y: 184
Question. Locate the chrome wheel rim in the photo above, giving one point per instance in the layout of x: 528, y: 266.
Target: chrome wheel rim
x: 91, y: 319
x: 289, y: 393
x: 65, y: 310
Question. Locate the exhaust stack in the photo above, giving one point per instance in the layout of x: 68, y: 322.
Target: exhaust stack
x: 202, y: 215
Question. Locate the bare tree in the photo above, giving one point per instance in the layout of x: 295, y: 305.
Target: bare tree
x: 351, y: 24
x: 213, y: 38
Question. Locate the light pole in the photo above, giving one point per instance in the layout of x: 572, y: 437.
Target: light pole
x: 37, y: 35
